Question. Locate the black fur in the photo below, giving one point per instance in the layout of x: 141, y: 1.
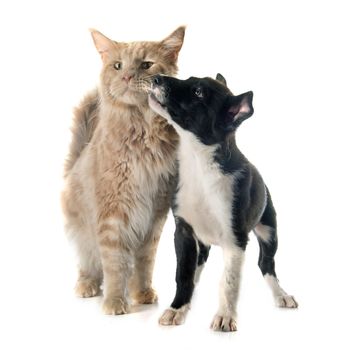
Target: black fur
x: 203, y: 253
x: 268, y: 250
x: 187, y: 259
x: 221, y: 79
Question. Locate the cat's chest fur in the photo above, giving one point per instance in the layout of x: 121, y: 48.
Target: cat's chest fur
x: 145, y: 143
x: 134, y: 163
x: 205, y: 195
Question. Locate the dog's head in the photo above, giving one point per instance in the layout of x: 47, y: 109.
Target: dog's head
x: 203, y: 106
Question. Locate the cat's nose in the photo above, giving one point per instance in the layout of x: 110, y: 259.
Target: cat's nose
x: 157, y: 80
x: 127, y: 78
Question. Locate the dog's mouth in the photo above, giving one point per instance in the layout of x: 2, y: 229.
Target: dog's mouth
x: 158, y: 102
x: 156, y: 99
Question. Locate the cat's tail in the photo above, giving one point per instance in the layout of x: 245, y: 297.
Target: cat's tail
x: 85, y: 119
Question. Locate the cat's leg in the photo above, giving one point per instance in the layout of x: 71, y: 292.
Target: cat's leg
x: 90, y: 269
x: 117, y: 261
x: 141, y: 284
x: 186, y: 248
x: 266, y: 232
x: 225, y: 318
x: 84, y: 239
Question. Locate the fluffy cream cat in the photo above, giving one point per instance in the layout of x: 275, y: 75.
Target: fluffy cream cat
x: 119, y: 173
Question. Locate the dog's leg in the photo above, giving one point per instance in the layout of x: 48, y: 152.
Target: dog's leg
x: 225, y: 318
x: 266, y: 232
x: 202, y: 259
x: 187, y: 258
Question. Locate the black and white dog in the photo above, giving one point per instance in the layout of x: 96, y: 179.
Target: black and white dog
x: 220, y: 196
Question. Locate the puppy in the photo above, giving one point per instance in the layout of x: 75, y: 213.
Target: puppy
x: 220, y: 196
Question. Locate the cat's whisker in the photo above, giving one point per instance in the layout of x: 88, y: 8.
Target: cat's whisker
x: 147, y: 78
x: 150, y: 76
x: 142, y: 85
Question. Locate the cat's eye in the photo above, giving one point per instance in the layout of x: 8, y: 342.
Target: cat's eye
x: 198, y: 92
x: 118, y: 65
x: 146, y: 65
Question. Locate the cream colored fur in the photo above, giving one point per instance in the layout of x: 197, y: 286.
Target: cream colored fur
x: 119, y: 174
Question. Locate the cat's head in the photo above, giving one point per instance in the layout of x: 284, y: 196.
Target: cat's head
x: 127, y: 65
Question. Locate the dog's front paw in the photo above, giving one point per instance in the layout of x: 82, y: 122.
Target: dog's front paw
x: 286, y: 301
x: 115, y: 306
x: 223, y: 324
x: 174, y: 316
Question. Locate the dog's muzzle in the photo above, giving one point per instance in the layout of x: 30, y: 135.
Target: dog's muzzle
x: 158, y: 91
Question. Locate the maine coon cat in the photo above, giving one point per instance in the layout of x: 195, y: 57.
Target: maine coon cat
x: 119, y: 173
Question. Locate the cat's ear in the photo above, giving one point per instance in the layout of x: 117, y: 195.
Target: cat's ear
x: 239, y: 108
x: 172, y: 44
x: 221, y: 79
x: 103, y: 44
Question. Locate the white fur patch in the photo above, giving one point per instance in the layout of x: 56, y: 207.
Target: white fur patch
x: 263, y: 232
x: 224, y: 319
x: 205, y: 195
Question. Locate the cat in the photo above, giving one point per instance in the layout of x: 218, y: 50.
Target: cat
x: 119, y: 173
x: 220, y: 196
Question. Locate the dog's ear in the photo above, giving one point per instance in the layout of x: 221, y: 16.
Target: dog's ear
x: 221, y: 79
x: 239, y: 108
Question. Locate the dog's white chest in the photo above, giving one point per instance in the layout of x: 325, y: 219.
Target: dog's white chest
x: 205, y: 195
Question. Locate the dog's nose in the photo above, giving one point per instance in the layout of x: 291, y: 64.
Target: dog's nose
x: 157, y: 80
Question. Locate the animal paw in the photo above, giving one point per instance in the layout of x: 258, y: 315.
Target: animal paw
x: 286, y: 301
x: 115, y: 306
x: 148, y: 296
x: 223, y: 324
x: 87, y: 288
x: 174, y: 317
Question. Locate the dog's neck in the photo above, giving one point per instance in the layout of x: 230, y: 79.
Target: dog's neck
x: 228, y: 155
x: 225, y: 154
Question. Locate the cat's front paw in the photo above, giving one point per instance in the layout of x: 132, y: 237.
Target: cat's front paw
x: 223, y: 323
x: 115, y: 306
x: 148, y: 296
x: 174, y: 317
x: 87, y: 288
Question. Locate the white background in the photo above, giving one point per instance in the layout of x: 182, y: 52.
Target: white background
x: 294, y: 55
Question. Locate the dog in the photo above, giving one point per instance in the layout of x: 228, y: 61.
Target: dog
x: 220, y: 196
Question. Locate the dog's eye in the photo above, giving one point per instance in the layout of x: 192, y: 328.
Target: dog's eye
x: 146, y: 65
x: 198, y: 92
x: 118, y: 65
